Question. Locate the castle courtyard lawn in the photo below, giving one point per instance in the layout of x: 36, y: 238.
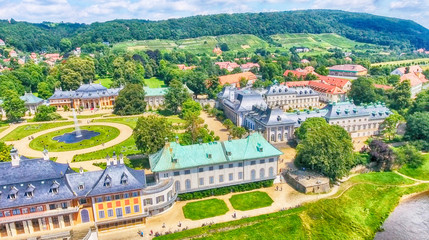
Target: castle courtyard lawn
x: 107, y: 133
x: 421, y: 172
x: 357, y: 211
x: 251, y: 200
x: 26, y: 130
x: 154, y: 82
x: 205, y: 209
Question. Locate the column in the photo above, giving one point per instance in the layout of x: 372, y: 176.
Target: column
x: 51, y: 225
x: 25, y: 226
x: 41, y: 225
x: 12, y: 229
x: 30, y: 226
x: 9, y: 232
x: 61, y: 221
x: 71, y: 220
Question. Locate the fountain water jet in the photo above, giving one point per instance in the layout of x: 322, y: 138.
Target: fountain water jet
x: 76, y: 125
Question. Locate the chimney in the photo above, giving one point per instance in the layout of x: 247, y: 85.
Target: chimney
x: 45, y: 154
x: 177, y: 139
x: 15, y: 157
x: 81, y: 170
x: 107, y: 160
x: 115, y: 158
x: 121, y: 159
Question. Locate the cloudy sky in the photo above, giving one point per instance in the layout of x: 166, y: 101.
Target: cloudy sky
x: 89, y: 11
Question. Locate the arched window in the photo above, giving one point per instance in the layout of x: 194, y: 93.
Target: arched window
x: 84, y: 215
x: 188, y: 184
x: 271, y: 172
x: 279, y: 136
x: 262, y: 173
x: 253, y: 174
x: 177, y: 186
x: 273, y: 137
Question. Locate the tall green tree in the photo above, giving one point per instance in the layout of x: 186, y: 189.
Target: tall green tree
x: 190, y: 108
x: 130, y: 100
x: 151, y: 133
x: 309, y: 124
x: 418, y: 126
x: 65, y: 45
x: 13, y: 106
x: 400, y: 96
x: 75, y: 71
x: 421, y: 103
x: 176, y: 95
x: 327, y: 150
x: 46, y: 113
x: 4, y: 152
x: 390, y: 125
x: 362, y: 91
x: 44, y: 90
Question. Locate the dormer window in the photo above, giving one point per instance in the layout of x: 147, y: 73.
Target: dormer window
x: 81, y: 186
x: 13, y: 193
x: 54, y: 187
x: 29, y: 191
x: 209, y: 155
x: 124, y: 179
x: 108, y: 181
x: 259, y: 148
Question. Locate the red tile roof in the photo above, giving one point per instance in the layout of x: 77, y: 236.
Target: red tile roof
x: 412, y: 69
x: 348, y: 67
x: 339, y: 82
x: 235, y: 78
x: 225, y: 65
x: 385, y: 87
x: 325, y: 88
x: 249, y: 65
x: 184, y: 67
x: 415, y: 78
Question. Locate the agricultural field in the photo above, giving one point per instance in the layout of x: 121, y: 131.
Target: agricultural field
x: 317, y: 43
x: 197, y: 45
x: 404, y: 62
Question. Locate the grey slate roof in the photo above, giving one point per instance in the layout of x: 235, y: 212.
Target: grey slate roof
x: 94, y: 181
x: 300, y: 117
x: 86, y: 91
x: 29, y: 98
x: 269, y: 116
x: 244, y: 100
x: 33, y: 174
x: 284, y: 90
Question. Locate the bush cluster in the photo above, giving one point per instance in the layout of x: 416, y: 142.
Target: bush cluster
x: 225, y: 190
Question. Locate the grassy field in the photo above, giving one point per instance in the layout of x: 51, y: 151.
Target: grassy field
x: 197, y: 45
x: 205, y: 209
x: 107, y: 133
x: 26, y: 130
x: 405, y: 62
x: 89, y: 116
x: 389, y: 178
x: 2, y: 129
x: 106, y: 82
x: 421, y: 172
x: 250, y: 200
x: 154, y: 83
x: 356, y: 212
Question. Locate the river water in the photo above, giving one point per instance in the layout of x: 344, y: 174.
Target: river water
x: 409, y: 220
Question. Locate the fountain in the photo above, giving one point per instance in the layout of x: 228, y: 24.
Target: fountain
x: 77, y: 135
x: 76, y: 125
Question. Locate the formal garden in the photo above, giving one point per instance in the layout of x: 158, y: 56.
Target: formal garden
x: 106, y: 134
x: 26, y: 130
x: 250, y: 200
x: 205, y: 209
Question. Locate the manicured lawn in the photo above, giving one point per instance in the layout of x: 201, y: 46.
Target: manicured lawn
x: 421, y: 172
x: 357, y: 214
x: 387, y: 178
x: 106, y: 82
x: 26, y: 130
x: 89, y: 116
x: 2, y: 129
x: 205, y: 209
x: 107, y: 133
x: 251, y: 200
x: 154, y: 82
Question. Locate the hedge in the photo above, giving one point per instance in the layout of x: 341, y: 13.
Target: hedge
x: 225, y: 190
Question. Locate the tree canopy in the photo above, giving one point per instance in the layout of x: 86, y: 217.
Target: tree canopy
x: 418, y: 126
x: 151, y: 133
x: 176, y: 95
x: 362, y: 91
x: 130, y: 100
x: 13, y: 106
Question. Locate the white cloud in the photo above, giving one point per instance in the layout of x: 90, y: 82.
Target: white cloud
x: 347, y: 5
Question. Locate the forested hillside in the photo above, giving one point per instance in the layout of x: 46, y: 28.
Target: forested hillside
x: 356, y: 26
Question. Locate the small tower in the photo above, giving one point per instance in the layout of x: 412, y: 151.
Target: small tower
x: 121, y: 159
x: 15, y: 157
x: 45, y: 154
x: 115, y: 158
x: 107, y: 160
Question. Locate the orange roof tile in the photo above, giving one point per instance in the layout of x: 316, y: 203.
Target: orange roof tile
x: 235, y: 78
x: 414, y: 78
x: 385, y: 87
x: 325, y: 88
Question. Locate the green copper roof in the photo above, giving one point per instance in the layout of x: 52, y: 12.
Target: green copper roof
x: 174, y: 156
x: 152, y: 92
x: 29, y: 98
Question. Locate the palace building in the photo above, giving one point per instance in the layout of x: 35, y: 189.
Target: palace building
x: 87, y: 96
x: 40, y: 197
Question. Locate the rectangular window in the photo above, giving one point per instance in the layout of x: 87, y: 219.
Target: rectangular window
x: 64, y: 205
x: 108, y: 198
x: 231, y: 165
x: 32, y: 209
x: 24, y: 210
x: 82, y: 201
x: 99, y: 199
x: 66, y: 220
x: 211, y: 168
x: 252, y: 162
x: 136, y: 208
x: 147, y: 201
x: 262, y: 161
x: 101, y: 214
x: 187, y: 172
x: 119, y: 212
x: 176, y: 173
x: 6, y: 213
x: 201, y: 181
x: 240, y: 164
x: 126, y: 195
x: 52, y: 206
x: 220, y: 166
x: 135, y: 194
x: 1, y: 214
x: 127, y: 210
x: 220, y: 178
x: 231, y: 176
x: 117, y: 197
x: 271, y: 160
x: 16, y: 212
x: 211, y: 180
x: 160, y: 199
x: 201, y: 170
x: 39, y: 208
x: 110, y: 212
x: 240, y: 175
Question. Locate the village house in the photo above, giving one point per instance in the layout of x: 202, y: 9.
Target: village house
x: 348, y: 70
x: 415, y: 75
x: 2, y: 43
x: 384, y: 87
x: 234, y: 79
x: 301, y: 49
x: 13, y: 54
x: 227, y: 65
x: 283, y: 97
x: 248, y: 66
x: 184, y: 67
x: 217, y: 51
x: 305, y: 61
x: 32, y: 102
x: 155, y: 97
